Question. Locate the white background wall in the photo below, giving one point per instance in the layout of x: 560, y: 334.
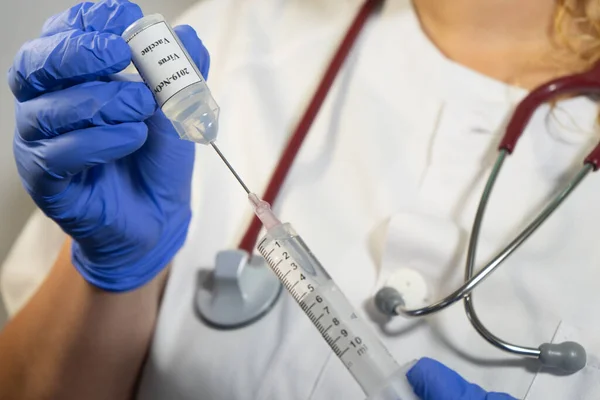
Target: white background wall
x: 21, y: 21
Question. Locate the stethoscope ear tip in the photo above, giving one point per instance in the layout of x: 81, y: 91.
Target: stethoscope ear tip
x: 567, y: 356
x: 404, y: 289
x: 387, y: 300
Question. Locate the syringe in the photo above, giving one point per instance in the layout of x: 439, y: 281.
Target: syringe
x: 363, y: 354
x: 367, y: 359
x: 185, y: 99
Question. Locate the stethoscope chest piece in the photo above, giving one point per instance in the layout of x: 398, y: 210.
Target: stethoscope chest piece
x: 239, y: 291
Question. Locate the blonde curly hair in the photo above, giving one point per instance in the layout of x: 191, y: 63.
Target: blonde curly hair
x: 577, y: 31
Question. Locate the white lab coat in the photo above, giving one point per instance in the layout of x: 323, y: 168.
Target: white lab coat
x: 389, y: 177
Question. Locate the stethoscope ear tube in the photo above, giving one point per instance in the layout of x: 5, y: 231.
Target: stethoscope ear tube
x: 593, y: 159
x: 587, y: 83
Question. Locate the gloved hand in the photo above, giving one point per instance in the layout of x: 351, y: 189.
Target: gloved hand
x: 94, y: 154
x: 431, y: 380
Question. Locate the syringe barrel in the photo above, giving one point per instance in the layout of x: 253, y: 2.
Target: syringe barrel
x: 329, y: 310
x: 396, y: 387
x: 174, y: 79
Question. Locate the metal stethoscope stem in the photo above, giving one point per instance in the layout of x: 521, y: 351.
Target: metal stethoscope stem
x: 472, y: 250
x: 474, y: 280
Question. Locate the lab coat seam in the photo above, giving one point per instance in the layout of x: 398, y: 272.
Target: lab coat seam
x: 429, y: 151
x: 320, y: 375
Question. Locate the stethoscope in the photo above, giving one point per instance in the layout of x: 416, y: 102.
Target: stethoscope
x: 567, y: 356
x: 241, y: 288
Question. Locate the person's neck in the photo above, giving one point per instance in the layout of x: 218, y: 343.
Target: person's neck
x: 504, y: 39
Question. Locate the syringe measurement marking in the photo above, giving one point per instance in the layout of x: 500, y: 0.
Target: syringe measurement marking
x: 260, y: 245
x: 320, y: 327
x: 301, y: 291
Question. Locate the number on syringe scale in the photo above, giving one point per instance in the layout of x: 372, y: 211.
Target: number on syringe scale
x: 335, y: 333
x: 342, y: 342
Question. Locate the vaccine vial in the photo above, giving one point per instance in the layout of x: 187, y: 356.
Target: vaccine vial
x: 172, y: 76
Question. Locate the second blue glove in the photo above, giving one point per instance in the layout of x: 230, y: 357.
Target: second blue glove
x: 431, y: 380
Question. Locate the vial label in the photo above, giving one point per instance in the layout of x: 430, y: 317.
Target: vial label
x: 161, y: 62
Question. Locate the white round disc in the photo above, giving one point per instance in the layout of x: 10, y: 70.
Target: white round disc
x: 411, y: 285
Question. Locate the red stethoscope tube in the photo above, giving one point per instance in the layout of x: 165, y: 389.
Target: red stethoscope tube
x: 586, y: 83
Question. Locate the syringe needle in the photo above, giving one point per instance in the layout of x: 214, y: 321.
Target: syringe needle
x: 262, y: 209
x: 214, y: 146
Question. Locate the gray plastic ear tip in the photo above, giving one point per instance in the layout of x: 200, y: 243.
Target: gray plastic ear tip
x: 387, y: 299
x: 567, y: 356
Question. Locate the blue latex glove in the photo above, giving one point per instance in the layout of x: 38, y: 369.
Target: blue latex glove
x: 95, y: 155
x: 431, y: 380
